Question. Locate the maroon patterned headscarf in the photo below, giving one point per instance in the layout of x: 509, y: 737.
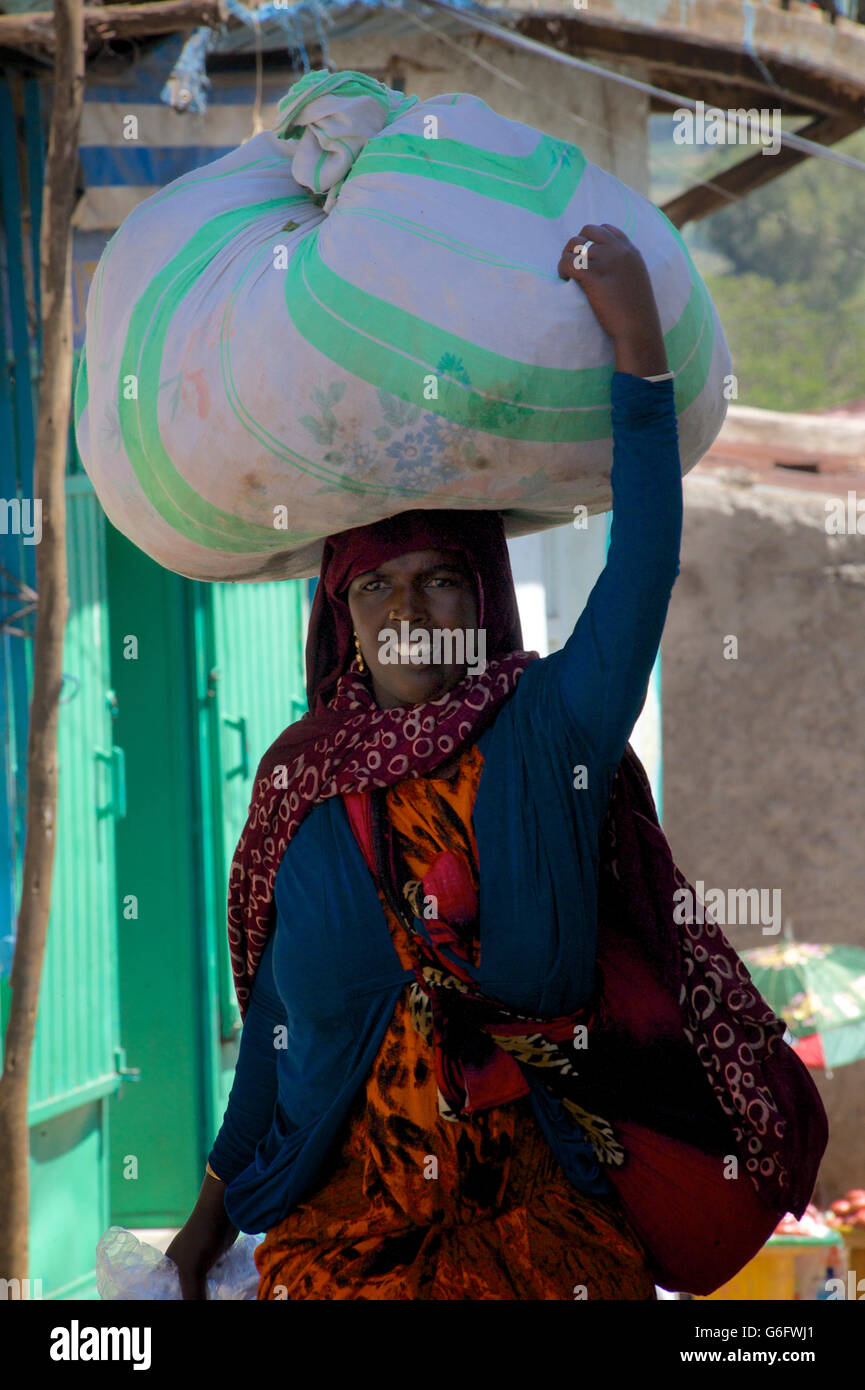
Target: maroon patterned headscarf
x: 479, y: 538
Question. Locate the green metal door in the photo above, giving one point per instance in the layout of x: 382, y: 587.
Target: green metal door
x: 206, y: 675
x: 161, y: 1123
x: 257, y: 687
x: 76, y: 1057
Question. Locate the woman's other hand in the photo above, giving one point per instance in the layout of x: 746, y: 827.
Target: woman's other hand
x: 616, y: 283
x: 208, y: 1233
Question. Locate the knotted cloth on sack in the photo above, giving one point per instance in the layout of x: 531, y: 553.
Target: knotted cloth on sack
x: 358, y: 313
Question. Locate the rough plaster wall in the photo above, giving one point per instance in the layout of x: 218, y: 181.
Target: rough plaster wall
x: 616, y: 136
x: 764, y: 769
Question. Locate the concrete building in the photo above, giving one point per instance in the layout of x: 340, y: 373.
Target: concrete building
x: 764, y: 755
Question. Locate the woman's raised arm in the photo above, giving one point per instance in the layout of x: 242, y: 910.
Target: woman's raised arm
x: 605, y: 665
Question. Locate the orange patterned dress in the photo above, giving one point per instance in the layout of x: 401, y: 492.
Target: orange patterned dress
x: 419, y: 1206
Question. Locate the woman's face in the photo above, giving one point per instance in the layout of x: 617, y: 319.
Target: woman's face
x: 429, y: 591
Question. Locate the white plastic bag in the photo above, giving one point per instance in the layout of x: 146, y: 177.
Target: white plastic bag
x: 359, y: 313
x: 128, y: 1269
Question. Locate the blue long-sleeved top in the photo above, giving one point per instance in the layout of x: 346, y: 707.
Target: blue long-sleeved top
x: 329, y: 978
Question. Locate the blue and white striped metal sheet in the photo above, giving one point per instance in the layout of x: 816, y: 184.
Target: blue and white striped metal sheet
x: 132, y: 144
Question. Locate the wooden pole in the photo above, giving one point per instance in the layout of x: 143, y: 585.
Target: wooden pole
x: 39, y: 30
x: 42, y: 772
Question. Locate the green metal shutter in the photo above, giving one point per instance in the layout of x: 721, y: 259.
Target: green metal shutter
x: 218, y: 674
x: 258, y: 688
x: 76, y: 1056
x: 162, y: 1125
x: 77, y: 1038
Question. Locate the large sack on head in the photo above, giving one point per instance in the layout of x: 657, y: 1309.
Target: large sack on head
x: 360, y: 313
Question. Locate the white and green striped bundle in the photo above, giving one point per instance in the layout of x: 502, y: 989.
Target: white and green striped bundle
x: 359, y: 313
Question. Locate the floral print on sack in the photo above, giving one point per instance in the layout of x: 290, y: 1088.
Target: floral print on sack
x: 419, y: 449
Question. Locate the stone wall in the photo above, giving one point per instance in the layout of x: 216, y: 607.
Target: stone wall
x: 764, y: 755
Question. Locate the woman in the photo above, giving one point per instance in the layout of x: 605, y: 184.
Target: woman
x: 436, y: 1032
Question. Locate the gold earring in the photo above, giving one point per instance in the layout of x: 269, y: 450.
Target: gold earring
x: 360, y: 665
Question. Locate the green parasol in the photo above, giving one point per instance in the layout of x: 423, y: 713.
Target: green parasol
x: 819, y: 992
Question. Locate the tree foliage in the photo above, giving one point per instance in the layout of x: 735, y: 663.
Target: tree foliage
x: 803, y: 229
x: 793, y: 299
x: 787, y: 355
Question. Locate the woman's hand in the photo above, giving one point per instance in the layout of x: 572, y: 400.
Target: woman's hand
x: 198, y: 1245
x: 617, y: 286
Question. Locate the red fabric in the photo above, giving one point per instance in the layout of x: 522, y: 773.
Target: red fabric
x: 810, y: 1051
x: 699, y: 1227
x: 448, y: 881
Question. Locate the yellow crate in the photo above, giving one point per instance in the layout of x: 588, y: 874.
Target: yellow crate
x: 782, y: 1272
